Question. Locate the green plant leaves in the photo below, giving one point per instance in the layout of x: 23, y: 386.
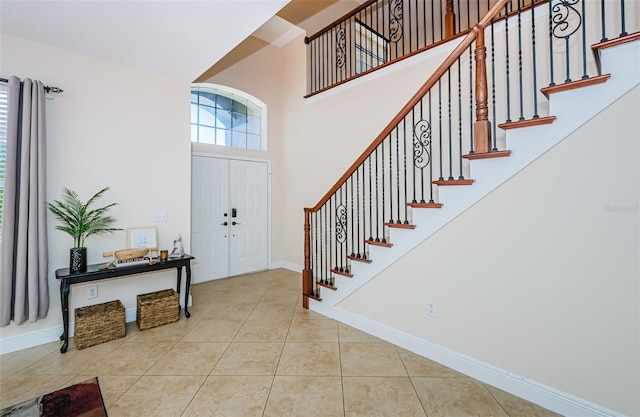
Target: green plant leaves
x: 78, y: 219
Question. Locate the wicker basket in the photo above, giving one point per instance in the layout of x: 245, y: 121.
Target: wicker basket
x: 99, y: 323
x: 157, y: 308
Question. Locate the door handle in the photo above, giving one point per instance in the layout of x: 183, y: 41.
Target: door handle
x: 224, y: 224
x: 234, y: 223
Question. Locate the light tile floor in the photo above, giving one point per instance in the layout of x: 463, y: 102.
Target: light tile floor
x: 250, y: 349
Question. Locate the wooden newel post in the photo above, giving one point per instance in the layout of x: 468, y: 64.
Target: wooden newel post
x: 482, y: 125
x: 449, y: 20
x: 307, y: 273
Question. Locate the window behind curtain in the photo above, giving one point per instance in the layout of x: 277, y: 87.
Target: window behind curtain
x: 3, y: 141
x: 225, y: 119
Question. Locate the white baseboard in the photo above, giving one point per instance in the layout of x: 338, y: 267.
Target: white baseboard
x: 545, y: 396
x: 286, y: 265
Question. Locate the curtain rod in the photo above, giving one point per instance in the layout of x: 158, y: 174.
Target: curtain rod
x: 47, y: 88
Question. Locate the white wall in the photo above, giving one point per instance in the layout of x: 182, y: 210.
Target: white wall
x: 113, y: 126
x: 541, y: 277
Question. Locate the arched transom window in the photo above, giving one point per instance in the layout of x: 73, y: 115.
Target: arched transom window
x: 227, y: 117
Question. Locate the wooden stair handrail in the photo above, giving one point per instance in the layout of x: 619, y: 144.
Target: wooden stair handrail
x: 339, y: 20
x: 437, y: 74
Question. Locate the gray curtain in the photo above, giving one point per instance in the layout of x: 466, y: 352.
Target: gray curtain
x: 24, y: 289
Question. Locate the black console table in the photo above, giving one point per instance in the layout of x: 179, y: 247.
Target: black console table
x: 93, y: 273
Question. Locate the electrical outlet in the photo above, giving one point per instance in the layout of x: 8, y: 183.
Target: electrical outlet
x: 159, y: 216
x: 92, y: 292
x: 431, y: 308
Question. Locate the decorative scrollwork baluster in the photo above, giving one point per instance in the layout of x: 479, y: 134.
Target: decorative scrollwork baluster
x: 341, y: 223
x: 421, y: 141
x: 395, y: 20
x: 341, y: 48
x: 566, y: 18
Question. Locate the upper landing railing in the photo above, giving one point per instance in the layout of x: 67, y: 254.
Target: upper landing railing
x: 381, y: 32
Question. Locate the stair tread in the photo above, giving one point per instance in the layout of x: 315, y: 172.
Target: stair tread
x: 572, y: 85
x: 453, y: 182
x: 401, y: 225
x: 377, y: 243
x: 329, y: 286
x: 487, y: 155
x: 425, y: 205
x: 364, y: 260
x: 343, y: 273
x: 516, y: 124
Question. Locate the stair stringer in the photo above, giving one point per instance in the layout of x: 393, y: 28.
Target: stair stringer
x: 572, y: 109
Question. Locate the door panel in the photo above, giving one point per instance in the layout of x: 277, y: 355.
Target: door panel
x: 248, y: 194
x: 210, y: 189
x: 218, y: 186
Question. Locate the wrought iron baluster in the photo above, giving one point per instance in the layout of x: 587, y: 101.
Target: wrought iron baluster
x: 396, y: 30
x: 422, y: 145
x: 471, y: 85
x: 563, y: 12
x: 433, y: 25
x: 313, y: 241
x: 341, y: 230
x: 449, y: 130
x: 622, y: 19
x: 351, y: 200
x: 602, y: 18
x: 404, y: 171
x: 460, y: 177
x: 323, y: 254
x: 508, y: 89
x: 534, y: 65
x: 441, y: 21
x: 382, y: 184
x: 370, y: 201
x: 584, y: 42
x: 332, y: 242
x: 377, y: 199
x: 520, y: 62
x: 414, y: 167
x: 551, y: 69
x: 341, y: 50
x: 440, y: 125
x: 397, y: 177
x: 314, y: 63
x: 493, y: 87
x: 390, y: 179
x: 358, y: 210
x: 430, y: 153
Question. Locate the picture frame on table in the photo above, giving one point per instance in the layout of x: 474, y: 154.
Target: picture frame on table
x: 142, y: 237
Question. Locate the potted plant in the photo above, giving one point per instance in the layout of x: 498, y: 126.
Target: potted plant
x: 80, y: 221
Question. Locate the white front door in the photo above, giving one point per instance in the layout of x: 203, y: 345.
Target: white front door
x: 229, y: 217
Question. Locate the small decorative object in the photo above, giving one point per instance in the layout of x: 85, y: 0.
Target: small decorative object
x: 80, y: 221
x: 164, y: 255
x: 178, y: 249
x: 130, y: 257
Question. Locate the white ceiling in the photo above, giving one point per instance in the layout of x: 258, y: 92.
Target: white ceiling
x: 180, y: 39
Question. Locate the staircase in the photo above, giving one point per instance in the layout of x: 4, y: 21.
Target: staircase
x: 417, y: 174
x: 525, y: 142
x: 513, y: 88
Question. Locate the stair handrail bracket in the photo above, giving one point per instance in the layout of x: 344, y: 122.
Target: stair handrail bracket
x: 337, y: 207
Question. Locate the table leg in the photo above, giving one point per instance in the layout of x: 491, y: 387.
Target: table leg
x: 64, y: 300
x: 187, y: 286
x: 179, y: 284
